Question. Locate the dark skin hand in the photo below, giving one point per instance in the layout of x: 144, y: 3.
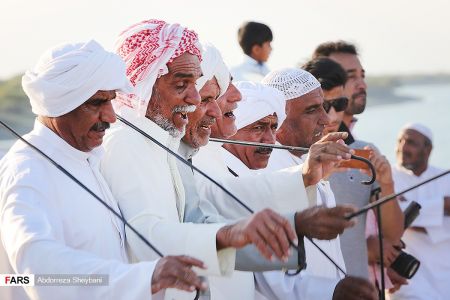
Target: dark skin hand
x: 324, y: 156
x: 267, y: 230
x: 176, y: 272
x: 354, y: 288
x: 324, y: 223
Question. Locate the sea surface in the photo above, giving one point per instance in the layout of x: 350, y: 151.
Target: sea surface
x: 381, y: 124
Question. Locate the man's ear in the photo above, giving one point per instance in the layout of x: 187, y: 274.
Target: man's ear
x: 256, y: 51
x: 428, y: 149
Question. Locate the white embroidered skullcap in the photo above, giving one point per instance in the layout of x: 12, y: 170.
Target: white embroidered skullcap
x: 213, y: 66
x: 258, y: 101
x: 69, y: 74
x: 293, y: 82
x: 422, y: 129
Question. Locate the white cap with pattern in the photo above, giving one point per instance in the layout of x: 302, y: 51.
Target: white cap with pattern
x: 293, y: 82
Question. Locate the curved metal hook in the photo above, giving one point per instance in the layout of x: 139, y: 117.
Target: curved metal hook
x: 371, y: 167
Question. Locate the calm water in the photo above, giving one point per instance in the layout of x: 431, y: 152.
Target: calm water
x: 380, y: 124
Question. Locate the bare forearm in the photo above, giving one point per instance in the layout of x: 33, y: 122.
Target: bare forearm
x: 392, y: 216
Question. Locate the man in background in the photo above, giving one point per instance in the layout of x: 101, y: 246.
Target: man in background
x: 428, y: 237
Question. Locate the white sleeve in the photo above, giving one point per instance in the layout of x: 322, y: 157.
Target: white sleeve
x: 431, y: 213
x: 32, y: 248
x: 132, y: 173
x: 277, y: 285
x: 282, y: 191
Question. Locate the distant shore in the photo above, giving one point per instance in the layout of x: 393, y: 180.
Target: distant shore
x: 382, y: 89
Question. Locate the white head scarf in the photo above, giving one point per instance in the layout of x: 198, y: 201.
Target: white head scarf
x: 69, y: 74
x: 293, y: 82
x: 258, y: 101
x: 422, y: 129
x: 213, y: 66
x: 147, y: 47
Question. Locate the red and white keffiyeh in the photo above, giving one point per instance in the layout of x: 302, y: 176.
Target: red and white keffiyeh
x: 147, y: 47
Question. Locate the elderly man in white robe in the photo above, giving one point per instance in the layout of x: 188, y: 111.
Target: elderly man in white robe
x: 428, y: 237
x: 163, y: 64
x: 303, y: 127
x: 48, y: 223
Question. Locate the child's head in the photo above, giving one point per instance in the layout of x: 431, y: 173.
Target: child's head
x: 255, y: 39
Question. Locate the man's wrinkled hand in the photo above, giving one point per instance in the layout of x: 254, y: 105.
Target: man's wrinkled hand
x: 176, y: 272
x: 267, y: 230
x: 324, y: 157
x: 324, y: 223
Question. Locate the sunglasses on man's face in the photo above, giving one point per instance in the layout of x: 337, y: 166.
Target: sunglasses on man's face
x: 339, y: 104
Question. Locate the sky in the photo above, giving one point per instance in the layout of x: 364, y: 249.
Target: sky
x: 393, y: 36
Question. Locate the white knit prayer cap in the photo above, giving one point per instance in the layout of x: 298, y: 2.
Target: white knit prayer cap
x: 213, y: 66
x: 69, y: 74
x: 293, y: 82
x: 258, y: 101
x: 422, y: 129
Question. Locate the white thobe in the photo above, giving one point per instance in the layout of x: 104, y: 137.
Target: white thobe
x: 145, y: 181
x: 249, y: 70
x: 50, y: 225
x: 282, y: 191
x: 321, y: 276
x: 432, y: 280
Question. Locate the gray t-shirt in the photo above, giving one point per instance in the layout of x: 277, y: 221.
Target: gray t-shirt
x: 347, y: 189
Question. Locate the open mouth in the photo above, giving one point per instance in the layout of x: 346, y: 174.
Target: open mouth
x: 207, y: 123
x: 183, y: 115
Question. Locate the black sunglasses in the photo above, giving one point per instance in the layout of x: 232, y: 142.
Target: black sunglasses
x: 339, y: 104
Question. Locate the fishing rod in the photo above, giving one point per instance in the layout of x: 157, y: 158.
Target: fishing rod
x: 294, y: 148
x: 387, y: 198
x: 89, y: 191
x: 189, y: 164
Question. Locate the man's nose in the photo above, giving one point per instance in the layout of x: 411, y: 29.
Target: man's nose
x: 361, y: 84
x: 193, y: 96
x: 332, y: 115
x: 324, y: 119
x: 269, y: 136
x: 213, y: 110
x: 235, y: 95
x: 107, y: 113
